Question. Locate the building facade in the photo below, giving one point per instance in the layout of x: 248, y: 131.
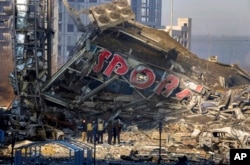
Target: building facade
x: 147, y: 12
x: 68, y: 32
x: 182, y: 32
x: 5, y: 37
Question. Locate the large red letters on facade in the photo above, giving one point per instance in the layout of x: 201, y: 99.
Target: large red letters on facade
x: 145, y: 82
x: 141, y: 77
x: 117, y: 64
x: 167, y: 86
x: 101, y: 58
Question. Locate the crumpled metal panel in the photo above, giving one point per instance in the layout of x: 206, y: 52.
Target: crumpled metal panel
x: 39, y: 54
x: 20, y: 67
x: 29, y: 62
x: 20, y: 38
x: 19, y: 52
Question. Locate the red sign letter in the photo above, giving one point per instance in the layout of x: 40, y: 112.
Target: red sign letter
x: 183, y: 94
x: 118, y: 65
x: 102, y: 56
x: 170, y: 84
x: 142, y: 77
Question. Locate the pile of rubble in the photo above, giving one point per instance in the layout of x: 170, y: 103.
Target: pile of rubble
x: 200, y: 138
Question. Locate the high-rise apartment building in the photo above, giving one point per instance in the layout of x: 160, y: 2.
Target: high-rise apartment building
x: 147, y: 12
x: 68, y: 32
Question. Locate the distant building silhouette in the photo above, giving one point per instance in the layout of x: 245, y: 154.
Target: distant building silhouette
x: 182, y: 32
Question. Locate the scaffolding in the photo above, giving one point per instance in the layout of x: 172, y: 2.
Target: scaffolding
x: 32, y: 33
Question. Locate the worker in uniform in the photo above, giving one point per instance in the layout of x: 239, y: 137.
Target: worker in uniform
x: 89, y: 132
x: 117, y: 130
x: 100, y: 129
x: 110, y: 131
x: 84, y: 130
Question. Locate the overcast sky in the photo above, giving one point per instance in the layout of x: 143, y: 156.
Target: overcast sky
x: 213, y: 17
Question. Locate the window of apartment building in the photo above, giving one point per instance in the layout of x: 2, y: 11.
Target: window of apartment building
x: 144, y: 1
x: 1, y: 37
x: 60, y: 27
x: 60, y: 6
x: 60, y: 17
x: 92, y: 1
x: 70, y: 28
x: 32, y: 8
x: 185, y: 44
x: 184, y: 34
x: 185, y: 24
x: 59, y: 50
x: 157, y: 2
x: 69, y: 49
x: 152, y: 19
x: 143, y: 12
x: 80, y: 0
x: 144, y: 19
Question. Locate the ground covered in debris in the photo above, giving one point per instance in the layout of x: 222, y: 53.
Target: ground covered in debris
x: 185, y: 135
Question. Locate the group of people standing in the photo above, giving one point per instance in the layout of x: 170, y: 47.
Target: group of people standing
x: 114, y: 130
x: 93, y: 131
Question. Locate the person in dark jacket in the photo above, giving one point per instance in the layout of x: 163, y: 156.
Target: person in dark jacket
x: 117, y: 130
x: 84, y: 130
x: 110, y: 131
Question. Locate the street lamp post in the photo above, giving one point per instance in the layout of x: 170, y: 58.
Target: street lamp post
x: 95, y: 139
x: 160, y: 119
x: 13, y: 140
x: 160, y: 131
x: 171, y: 19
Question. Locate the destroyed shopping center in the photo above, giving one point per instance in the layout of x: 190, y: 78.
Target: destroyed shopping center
x: 122, y: 69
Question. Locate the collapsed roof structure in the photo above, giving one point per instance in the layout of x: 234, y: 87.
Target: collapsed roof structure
x: 119, y: 68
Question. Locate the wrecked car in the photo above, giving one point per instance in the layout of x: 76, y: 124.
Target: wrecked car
x: 222, y: 139
x: 43, y: 132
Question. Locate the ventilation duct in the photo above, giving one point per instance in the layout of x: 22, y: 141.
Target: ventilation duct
x: 111, y: 14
